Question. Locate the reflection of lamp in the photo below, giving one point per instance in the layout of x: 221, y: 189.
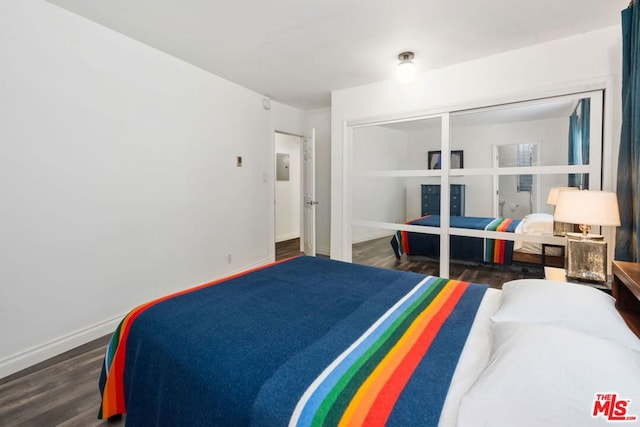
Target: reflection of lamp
x: 559, y: 228
x: 406, y: 70
x: 587, y: 253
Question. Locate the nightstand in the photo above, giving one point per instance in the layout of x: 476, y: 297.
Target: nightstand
x: 626, y: 290
x: 560, y: 275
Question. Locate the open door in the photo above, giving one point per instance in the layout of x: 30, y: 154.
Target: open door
x: 309, y: 190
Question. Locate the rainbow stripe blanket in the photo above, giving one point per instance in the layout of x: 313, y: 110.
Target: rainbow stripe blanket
x: 308, y: 341
x: 495, y: 250
x: 492, y: 251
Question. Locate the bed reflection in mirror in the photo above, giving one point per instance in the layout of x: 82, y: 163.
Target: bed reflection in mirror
x: 513, y: 155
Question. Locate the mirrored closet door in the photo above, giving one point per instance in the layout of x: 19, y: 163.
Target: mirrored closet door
x: 458, y: 186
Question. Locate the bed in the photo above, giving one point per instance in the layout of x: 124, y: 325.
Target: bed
x: 474, y: 249
x: 462, y: 247
x: 537, y: 224
x: 311, y: 341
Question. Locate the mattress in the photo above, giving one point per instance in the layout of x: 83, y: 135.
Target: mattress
x: 533, y: 247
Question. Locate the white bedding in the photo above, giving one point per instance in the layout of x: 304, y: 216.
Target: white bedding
x: 541, y: 375
x: 543, y: 353
x: 535, y: 224
x: 473, y: 359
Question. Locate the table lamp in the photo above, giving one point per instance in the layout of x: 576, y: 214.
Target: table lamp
x: 587, y: 253
x: 559, y: 228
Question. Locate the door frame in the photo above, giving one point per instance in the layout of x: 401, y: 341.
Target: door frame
x: 308, y: 245
x: 301, y: 188
x: 496, y: 176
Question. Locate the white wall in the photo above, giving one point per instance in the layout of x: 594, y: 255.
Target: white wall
x: 288, y: 192
x: 551, y: 135
x: 118, y: 179
x: 576, y: 63
x: 476, y: 142
x: 420, y: 143
x: 287, y: 119
x: 378, y: 199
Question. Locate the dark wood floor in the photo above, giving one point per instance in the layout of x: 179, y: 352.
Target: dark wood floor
x: 63, y: 391
x: 378, y: 253
x: 287, y: 249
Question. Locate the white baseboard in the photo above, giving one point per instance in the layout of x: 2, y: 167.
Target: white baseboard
x: 47, y: 350
x: 372, y: 236
x: 323, y: 251
x: 40, y: 353
x: 288, y: 236
x: 257, y: 264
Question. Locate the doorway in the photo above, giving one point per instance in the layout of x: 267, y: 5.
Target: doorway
x: 517, y: 195
x: 288, y: 190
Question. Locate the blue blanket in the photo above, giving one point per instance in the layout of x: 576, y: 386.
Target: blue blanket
x: 244, y: 351
x: 461, y: 247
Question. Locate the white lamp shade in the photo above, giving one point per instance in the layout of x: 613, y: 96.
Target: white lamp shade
x: 406, y: 71
x: 552, y: 199
x: 587, y: 207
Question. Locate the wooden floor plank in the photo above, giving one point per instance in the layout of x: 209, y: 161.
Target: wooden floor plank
x: 61, y: 391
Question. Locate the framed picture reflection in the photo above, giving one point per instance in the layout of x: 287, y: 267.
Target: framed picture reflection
x: 435, y: 158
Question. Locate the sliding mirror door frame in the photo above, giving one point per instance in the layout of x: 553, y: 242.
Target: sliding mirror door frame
x: 445, y: 175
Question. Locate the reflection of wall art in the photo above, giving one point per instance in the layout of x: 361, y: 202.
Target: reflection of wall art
x: 282, y: 167
x: 457, y: 159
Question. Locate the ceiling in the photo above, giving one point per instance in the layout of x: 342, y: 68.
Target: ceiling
x: 298, y: 51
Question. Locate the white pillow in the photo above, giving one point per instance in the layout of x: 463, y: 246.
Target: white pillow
x: 568, y: 305
x: 542, y: 375
x: 537, y: 223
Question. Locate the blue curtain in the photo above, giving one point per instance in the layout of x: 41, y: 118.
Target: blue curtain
x: 585, y: 122
x: 628, y: 159
x: 579, y: 142
x: 574, y: 147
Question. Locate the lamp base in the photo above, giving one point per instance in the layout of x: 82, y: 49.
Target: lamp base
x: 586, y: 259
x: 580, y: 236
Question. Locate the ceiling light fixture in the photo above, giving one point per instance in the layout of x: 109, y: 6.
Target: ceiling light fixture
x: 406, y: 70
